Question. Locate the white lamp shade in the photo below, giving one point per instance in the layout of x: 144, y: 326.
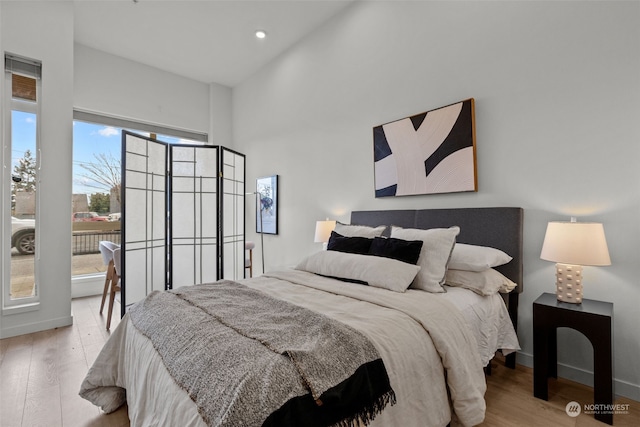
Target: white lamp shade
x: 323, y: 230
x: 577, y: 243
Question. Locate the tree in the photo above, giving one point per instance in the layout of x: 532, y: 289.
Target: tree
x: 104, y: 174
x: 99, y: 202
x: 23, y: 178
x: 26, y: 171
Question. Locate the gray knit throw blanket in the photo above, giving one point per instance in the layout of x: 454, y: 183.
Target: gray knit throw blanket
x: 247, y: 359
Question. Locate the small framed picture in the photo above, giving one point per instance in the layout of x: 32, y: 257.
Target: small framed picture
x: 267, y: 209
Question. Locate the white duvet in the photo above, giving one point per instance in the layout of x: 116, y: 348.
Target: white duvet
x: 418, y: 335
x: 488, y: 319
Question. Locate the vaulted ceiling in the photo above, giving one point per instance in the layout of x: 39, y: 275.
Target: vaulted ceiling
x: 205, y: 40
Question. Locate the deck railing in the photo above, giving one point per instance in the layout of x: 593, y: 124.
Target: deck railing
x: 86, y: 236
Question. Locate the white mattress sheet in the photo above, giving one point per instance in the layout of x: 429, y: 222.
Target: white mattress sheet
x: 488, y: 320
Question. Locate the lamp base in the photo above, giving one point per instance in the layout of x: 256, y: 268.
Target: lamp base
x: 569, y: 283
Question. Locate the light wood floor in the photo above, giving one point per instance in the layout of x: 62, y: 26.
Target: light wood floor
x: 41, y: 373
x: 40, y: 376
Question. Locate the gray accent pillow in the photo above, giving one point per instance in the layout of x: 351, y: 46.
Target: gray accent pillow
x: 348, y: 230
x: 376, y: 271
x: 434, y: 256
x: 476, y: 258
x: 486, y: 282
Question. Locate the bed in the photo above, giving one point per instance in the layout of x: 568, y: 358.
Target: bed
x: 430, y: 345
x: 497, y: 227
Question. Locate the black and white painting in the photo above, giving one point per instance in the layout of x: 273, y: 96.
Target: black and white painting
x: 267, y: 209
x: 429, y: 153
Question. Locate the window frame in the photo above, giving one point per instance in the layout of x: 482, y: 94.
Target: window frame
x: 93, y: 283
x: 18, y: 305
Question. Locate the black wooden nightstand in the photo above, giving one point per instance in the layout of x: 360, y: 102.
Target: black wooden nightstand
x: 592, y: 318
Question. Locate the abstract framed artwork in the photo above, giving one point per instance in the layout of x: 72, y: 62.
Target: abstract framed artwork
x: 267, y: 211
x: 429, y: 153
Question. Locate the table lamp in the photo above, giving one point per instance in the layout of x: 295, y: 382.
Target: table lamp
x: 323, y: 232
x: 572, y: 245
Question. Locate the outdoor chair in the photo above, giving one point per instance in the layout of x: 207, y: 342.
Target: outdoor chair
x: 115, y: 283
x: 106, y: 250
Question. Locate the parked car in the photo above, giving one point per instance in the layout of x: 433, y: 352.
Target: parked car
x: 114, y: 216
x: 88, y: 216
x: 23, y: 235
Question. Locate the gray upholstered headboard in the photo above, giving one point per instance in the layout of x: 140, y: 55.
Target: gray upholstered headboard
x: 499, y: 228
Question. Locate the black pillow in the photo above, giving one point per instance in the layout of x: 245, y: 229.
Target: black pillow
x: 353, y: 245
x: 344, y: 279
x: 403, y: 250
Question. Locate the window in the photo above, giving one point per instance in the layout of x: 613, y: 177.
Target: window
x: 97, y: 144
x: 20, y: 159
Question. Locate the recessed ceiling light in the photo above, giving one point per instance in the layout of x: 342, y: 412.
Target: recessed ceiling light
x: 261, y: 34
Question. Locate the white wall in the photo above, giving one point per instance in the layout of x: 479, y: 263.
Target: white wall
x: 24, y: 27
x: 115, y: 86
x: 557, y: 90
x: 220, y: 115
x: 118, y: 87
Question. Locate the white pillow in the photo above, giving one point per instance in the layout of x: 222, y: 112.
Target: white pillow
x: 434, y: 256
x: 348, y: 230
x: 486, y: 282
x: 476, y: 258
x: 378, y: 272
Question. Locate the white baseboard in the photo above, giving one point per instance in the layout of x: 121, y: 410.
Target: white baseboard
x: 30, y: 328
x: 87, y: 285
x: 81, y: 286
x: 620, y: 388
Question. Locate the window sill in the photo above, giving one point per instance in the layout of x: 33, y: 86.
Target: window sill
x: 87, y: 285
x: 22, y: 308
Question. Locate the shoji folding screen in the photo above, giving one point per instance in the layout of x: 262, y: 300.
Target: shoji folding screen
x: 183, y: 215
x: 144, y: 231
x: 232, y: 221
